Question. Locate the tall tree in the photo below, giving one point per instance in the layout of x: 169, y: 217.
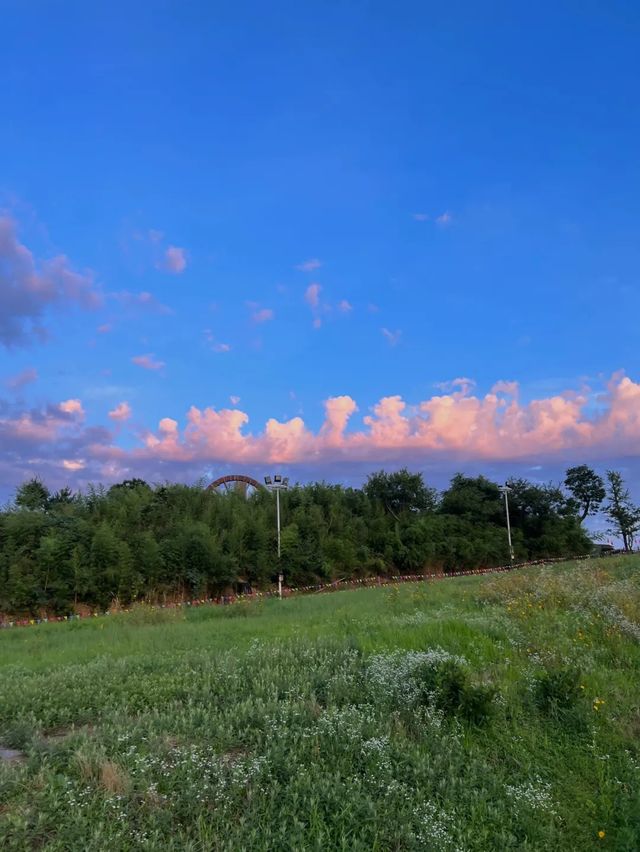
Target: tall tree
x: 33, y: 495
x: 624, y: 516
x: 586, y: 488
x: 400, y: 492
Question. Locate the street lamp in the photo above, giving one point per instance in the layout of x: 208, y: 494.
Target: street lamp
x: 278, y: 484
x: 505, y: 489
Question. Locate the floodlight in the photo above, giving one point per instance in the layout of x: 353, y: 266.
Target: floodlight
x: 285, y: 481
x: 277, y: 478
x: 267, y: 480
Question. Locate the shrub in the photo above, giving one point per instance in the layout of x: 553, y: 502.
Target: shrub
x: 557, y: 690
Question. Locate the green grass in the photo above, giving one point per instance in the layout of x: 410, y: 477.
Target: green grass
x: 480, y: 713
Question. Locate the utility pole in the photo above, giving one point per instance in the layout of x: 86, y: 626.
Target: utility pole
x: 505, y: 489
x: 278, y: 484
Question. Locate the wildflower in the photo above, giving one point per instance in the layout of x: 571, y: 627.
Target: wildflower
x: 601, y: 834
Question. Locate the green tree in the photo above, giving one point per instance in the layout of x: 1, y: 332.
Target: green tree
x: 400, y: 492
x: 33, y: 495
x: 586, y: 488
x: 624, y: 516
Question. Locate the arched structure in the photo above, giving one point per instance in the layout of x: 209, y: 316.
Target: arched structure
x: 236, y: 482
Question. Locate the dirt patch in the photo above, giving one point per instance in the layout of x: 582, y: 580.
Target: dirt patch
x: 12, y: 755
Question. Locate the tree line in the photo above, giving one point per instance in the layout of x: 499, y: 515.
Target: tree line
x: 134, y: 540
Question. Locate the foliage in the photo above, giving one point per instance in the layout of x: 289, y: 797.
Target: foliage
x: 624, y: 516
x: 557, y: 689
x: 135, y: 542
x: 586, y: 487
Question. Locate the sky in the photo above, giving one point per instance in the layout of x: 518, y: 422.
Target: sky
x: 318, y: 239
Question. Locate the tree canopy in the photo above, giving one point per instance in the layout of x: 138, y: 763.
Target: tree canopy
x: 136, y: 540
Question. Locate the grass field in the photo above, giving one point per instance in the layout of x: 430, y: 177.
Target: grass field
x: 481, y: 713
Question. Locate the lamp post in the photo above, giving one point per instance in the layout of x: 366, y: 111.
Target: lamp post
x: 277, y: 483
x: 505, y: 489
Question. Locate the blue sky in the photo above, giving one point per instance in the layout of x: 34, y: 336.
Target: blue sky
x: 462, y: 183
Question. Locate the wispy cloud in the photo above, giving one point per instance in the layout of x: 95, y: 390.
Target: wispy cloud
x: 215, y: 345
x: 345, y: 307
x: 143, y: 301
x: 234, y: 400
x: 105, y: 328
x: 24, y: 377
x: 148, y: 362
x: 309, y: 265
x: 421, y: 217
x: 444, y: 219
x: 392, y: 337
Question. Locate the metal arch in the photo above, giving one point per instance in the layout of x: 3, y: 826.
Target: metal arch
x: 233, y: 477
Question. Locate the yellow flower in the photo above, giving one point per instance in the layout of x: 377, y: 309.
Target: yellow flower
x: 601, y: 834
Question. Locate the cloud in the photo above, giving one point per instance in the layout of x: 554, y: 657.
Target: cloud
x: 261, y: 315
x: 72, y: 406
x: 28, y: 288
x: 444, y: 219
x: 143, y: 301
x: 73, y: 464
x: 392, y: 337
x: 121, y: 412
x: 105, y: 328
x: 214, y: 344
x: 344, y: 306
x: 448, y: 428
x: 421, y: 217
x: 465, y: 385
x: 312, y: 295
x: 457, y: 425
x: 309, y: 265
x: 24, y: 377
x: 148, y: 362
x: 234, y: 400
x: 174, y: 260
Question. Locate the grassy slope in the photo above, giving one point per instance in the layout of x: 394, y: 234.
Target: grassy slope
x: 288, y: 725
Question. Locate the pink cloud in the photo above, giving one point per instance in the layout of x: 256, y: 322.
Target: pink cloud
x: 453, y: 426
x: 73, y: 464
x: 174, y: 260
x: 24, y: 377
x: 459, y: 423
x: 444, y: 219
x: 344, y: 306
x: 234, y: 400
x: 105, y: 328
x: 28, y: 288
x: 309, y: 265
x: 312, y: 295
x: 72, y: 406
x: 148, y: 362
x: 262, y: 315
x: 121, y: 412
